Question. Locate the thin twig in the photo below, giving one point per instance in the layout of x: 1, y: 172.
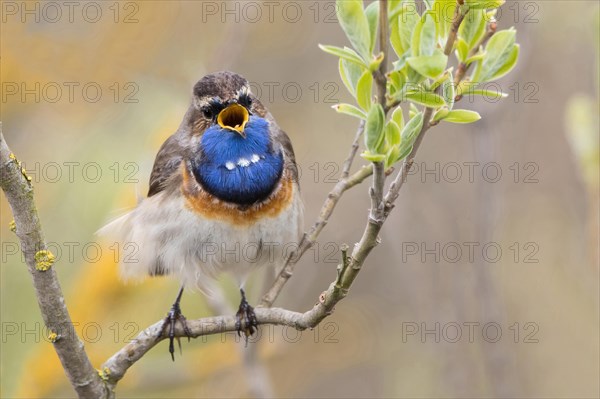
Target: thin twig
x: 380, y: 74
x: 121, y: 361
x: 463, y: 68
x: 400, y: 178
x: 353, y: 150
x: 376, y: 191
x: 19, y: 193
x: 457, y: 19
x: 309, y: 239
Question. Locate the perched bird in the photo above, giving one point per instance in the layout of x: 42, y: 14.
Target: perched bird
x: 223, y: 197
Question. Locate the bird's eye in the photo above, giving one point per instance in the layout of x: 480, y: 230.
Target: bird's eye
x: 208, y: 113
x: 245, y: 100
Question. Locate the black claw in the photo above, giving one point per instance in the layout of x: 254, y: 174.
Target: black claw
x: 245, y: 318
x: 172, y: 318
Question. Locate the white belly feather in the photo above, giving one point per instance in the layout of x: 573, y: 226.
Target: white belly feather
x: 169, y: 238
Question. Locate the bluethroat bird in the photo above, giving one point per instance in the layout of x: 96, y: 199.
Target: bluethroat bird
x: 223, y: 197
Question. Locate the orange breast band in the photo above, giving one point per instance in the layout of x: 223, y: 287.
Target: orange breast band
x: 210, y: 207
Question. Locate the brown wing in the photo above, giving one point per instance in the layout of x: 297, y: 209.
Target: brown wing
x: 167, y: 162
x: 172, y: 152
x: 281, y: 137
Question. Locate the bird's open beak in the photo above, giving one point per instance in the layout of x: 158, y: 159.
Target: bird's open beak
x: 234, y: 118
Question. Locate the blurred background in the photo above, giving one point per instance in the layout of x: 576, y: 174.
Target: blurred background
x: 486, y: 281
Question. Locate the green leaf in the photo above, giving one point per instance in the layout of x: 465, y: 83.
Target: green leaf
x: 462, y: 116
x: 411, y: 131
x: 473, y: 27
x: 407, y: 20
x: 423, y: 41
x: 369, y: 156
x: 374, y: 128
x: 412, y: 110
x: 375, y: 62
x: 490, y: 94
x: 491, y: 14
x: 384, y: 147
x: 350, y: 73
x: 351, y: 110
x: 509, y: 64
x: 392, y: 156
x: 395, y: 40
x: 428, y: 35
x: 404, y: 151
x: 477, y: 57
x: 483, y: 4
x: 426, y: 98
x: 364, y: 89
x: 430, y: 66
x: 400, y: 63
x: 439, y: 80
x: 345, y: 53
x: 441, y: 113
x: 353, y: 20
x: 462, y: 49
x: 398, y: 117
x: 499, y: 51
x: 443, y: 11
x: 394, y: 7
x: 415, y: 40
x: 414, y: 76
x: 464, y: 86
x: 448, y: 90
x: 372, y: 13
x: 392, y: 133
x: 402, y: 27
x: 397, y: 79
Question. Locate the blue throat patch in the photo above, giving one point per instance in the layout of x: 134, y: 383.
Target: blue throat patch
x: 236, y: 169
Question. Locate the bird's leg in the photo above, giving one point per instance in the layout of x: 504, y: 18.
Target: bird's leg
x: 168, y: 326
x: 245, y: 319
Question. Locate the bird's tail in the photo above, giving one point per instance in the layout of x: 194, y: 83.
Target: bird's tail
x: 119, y: 234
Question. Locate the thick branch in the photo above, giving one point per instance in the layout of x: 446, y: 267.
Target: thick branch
x: 19, y: 193
x: 119, y: 363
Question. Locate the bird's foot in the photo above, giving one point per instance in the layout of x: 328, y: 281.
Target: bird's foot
x: 168, y: 327
x: 245, y: 319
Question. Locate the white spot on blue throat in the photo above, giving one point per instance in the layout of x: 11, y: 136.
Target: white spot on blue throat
x: 243, y: 162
